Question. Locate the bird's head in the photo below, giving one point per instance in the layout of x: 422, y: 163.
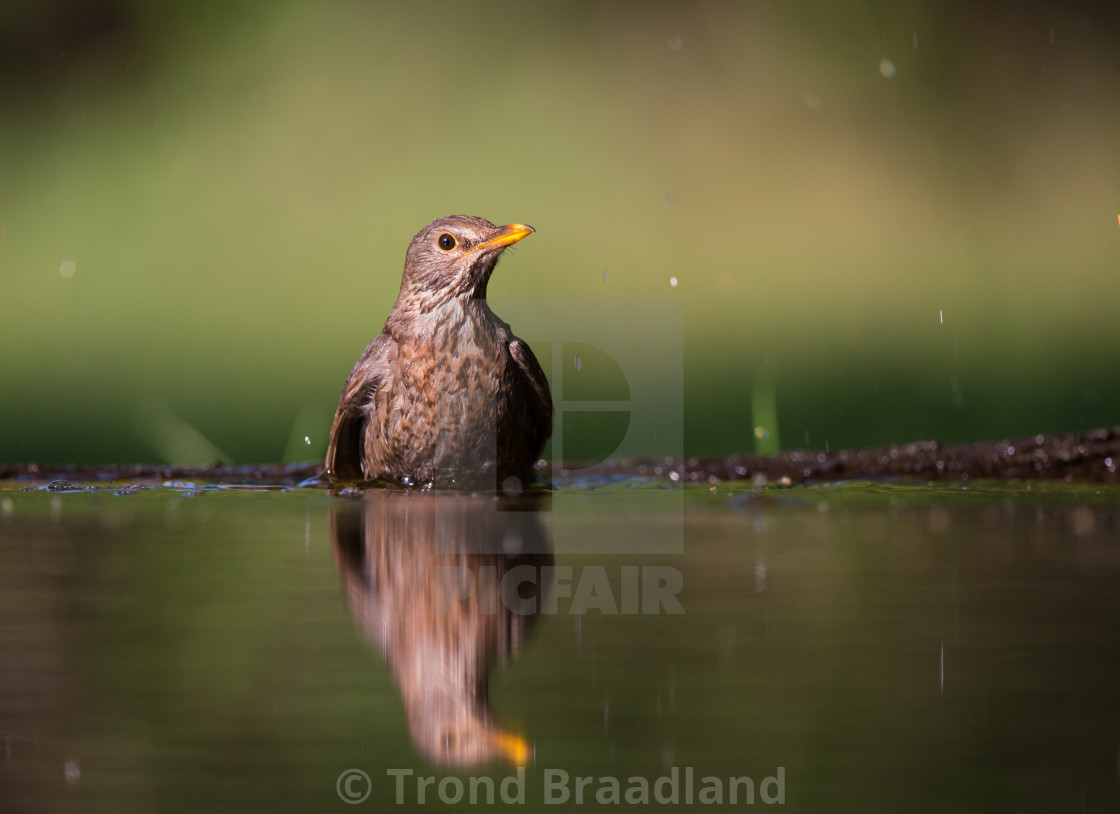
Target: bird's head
x: 452, y: 258
x: 463, y: 736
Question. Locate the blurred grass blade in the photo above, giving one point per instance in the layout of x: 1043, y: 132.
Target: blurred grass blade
x: 308, y: 439
x: 174, y: 440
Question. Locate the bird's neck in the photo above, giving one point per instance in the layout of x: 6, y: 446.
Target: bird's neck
x: 451, y: 318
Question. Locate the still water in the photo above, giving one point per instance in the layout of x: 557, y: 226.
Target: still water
x: 859, y: 647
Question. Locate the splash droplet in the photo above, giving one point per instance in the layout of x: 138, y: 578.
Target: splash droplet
x: 577, y: 364
x: 886, y: 68
x: 673, y: 282
x: 307, y: 440
x: 67, y: 268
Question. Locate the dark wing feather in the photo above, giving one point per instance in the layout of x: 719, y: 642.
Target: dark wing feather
x: 540, y: 399
x: 344, y: 454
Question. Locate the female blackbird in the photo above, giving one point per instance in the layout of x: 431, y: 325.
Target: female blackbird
x: 446, y: 395
x: 426, y: 580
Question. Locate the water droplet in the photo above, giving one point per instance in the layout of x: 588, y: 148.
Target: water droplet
x: 760, y: 576
x: 307, y: 439
x: 72, y: 770
x: 813, y: 101
x: 63, y: 486
x: 915, y: 40
x: 577, y: 364
x: 941, y: 317
x: 67, y: 268
x: 886, y: 68
x: 673, y: 282
x: 674, y: 475
x: 676, y: 42
x: 761, y: 433
x: 604, y: 275
x: 668, y: 197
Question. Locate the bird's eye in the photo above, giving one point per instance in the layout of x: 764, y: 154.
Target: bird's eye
x: 447, y: 242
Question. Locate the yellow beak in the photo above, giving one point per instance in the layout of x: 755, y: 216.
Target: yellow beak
x: 513, y: 747
x: 508, y: 235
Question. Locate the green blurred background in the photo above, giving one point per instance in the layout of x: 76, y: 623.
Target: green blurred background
x: 886, y: 221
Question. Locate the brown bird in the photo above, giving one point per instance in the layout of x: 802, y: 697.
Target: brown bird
x: 446, y: 586
x: 446, y: 395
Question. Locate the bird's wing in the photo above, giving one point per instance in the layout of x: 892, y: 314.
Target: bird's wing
x: 344, y: 454
x: 540, y: 401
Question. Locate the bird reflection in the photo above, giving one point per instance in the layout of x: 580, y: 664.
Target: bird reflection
x: 445, y: 585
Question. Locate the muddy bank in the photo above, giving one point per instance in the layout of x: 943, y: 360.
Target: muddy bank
x: 1092, y: 457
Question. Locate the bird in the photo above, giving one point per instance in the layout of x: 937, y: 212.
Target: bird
x: 446, y: 586
x: 446, y: 395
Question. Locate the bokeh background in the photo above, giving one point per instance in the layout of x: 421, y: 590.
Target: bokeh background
x: 885, y: 221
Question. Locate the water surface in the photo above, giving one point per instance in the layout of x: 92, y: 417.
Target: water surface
x: 887, y: 647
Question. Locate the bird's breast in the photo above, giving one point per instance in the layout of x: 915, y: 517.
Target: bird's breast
x: 440, y: 413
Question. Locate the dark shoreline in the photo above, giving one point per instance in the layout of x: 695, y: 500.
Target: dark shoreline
x: 1088, y: 457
